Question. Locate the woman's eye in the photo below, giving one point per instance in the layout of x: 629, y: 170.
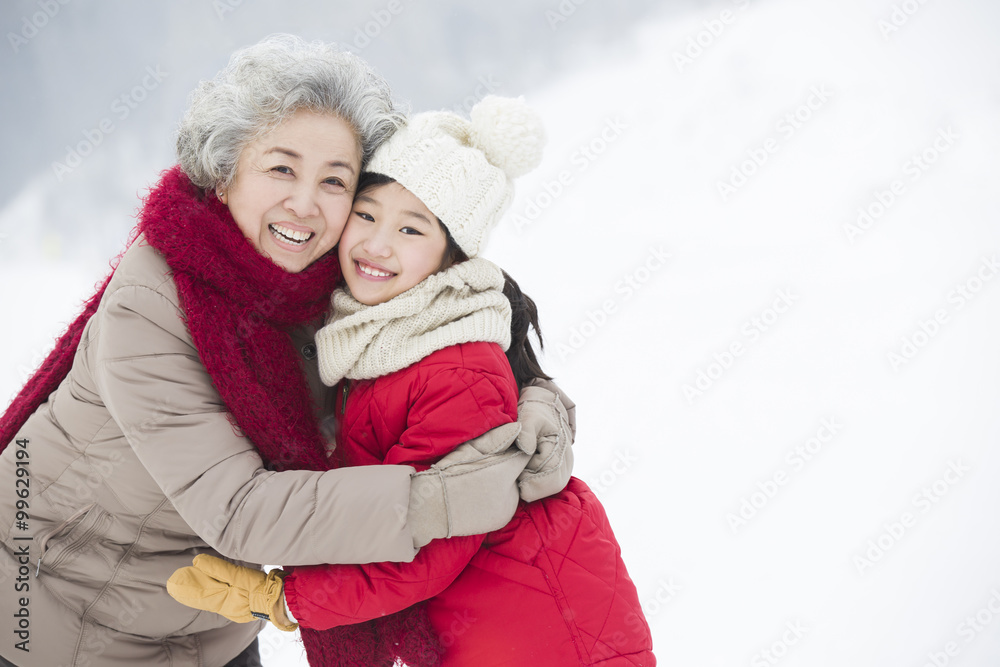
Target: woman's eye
x: 335, y: 181
x: 281, y: 169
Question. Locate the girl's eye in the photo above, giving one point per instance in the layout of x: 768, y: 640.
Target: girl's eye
x: 364, y: 216
x: 410, y: 231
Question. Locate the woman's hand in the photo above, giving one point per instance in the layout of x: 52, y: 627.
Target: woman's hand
x: 475, y: 488
x: 471, y: 491
x: 548, y: 427
x: 241, y: 594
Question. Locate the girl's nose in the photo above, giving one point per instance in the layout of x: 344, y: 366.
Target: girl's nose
x: 376, y: 243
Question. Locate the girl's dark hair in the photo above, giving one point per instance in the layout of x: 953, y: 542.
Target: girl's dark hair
x: 371, y: 179
x: 523, y: 318
x: 523, y: 312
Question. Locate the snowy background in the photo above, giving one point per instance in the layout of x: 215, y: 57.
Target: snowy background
x: 764, y: 242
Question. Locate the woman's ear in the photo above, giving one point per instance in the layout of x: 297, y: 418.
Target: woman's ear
x: 222, y: 195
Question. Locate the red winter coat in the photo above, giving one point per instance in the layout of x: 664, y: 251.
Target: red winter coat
x: 549, y: 589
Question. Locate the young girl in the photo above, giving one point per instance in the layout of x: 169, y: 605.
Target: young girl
x: 416, y: 349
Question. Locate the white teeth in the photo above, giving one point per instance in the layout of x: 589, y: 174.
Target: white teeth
x: 289, y: 235
x: 372, y: 271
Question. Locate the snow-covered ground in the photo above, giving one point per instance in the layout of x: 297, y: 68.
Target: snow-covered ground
x: 765, y: 248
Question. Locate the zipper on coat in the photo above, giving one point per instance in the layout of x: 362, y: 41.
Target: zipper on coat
x: 345, y: 391
x: 44, y: 543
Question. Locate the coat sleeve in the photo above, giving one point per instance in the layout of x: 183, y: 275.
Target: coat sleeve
x: 451, y: 407
x: 325, y: 596
x: 162, y: 398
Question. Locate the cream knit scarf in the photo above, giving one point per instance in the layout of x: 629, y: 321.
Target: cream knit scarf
x: 462, y: 304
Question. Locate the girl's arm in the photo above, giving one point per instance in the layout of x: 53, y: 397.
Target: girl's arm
x: 451, y: 406
x: 325, y: 596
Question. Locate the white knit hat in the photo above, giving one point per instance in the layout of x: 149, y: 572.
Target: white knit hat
x: 462, y: 170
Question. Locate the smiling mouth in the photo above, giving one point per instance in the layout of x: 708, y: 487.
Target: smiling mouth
x: 372, y: 271
x: 290, y: 235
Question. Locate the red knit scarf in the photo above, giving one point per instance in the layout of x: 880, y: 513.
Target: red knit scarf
x: 239, y: 306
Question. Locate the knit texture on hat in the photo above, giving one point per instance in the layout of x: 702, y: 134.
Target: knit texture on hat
x: 463, y: 170
x: 462, y: 304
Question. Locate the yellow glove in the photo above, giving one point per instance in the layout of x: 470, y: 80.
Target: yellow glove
x: 239, y: 593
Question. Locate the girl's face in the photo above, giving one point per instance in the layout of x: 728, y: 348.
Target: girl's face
x: 391, y: 243
x: 293, y: 188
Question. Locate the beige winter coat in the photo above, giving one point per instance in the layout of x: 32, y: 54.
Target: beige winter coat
x: 134, y: 469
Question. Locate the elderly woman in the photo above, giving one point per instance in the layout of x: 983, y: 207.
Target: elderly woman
x: 180, y: 413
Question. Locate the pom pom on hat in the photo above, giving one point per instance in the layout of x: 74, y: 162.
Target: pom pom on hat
x: 462, y: 169
x: 509, y: 133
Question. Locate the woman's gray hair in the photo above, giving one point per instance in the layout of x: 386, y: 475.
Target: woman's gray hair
x: 265, y: 83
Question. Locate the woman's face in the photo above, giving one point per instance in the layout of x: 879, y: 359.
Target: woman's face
x: 293, y: 188
x: 391, y: 243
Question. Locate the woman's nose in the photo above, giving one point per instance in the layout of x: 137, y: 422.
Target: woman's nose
x: 302, y: 202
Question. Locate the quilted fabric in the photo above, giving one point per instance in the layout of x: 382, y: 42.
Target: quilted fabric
x: 550, y: 588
